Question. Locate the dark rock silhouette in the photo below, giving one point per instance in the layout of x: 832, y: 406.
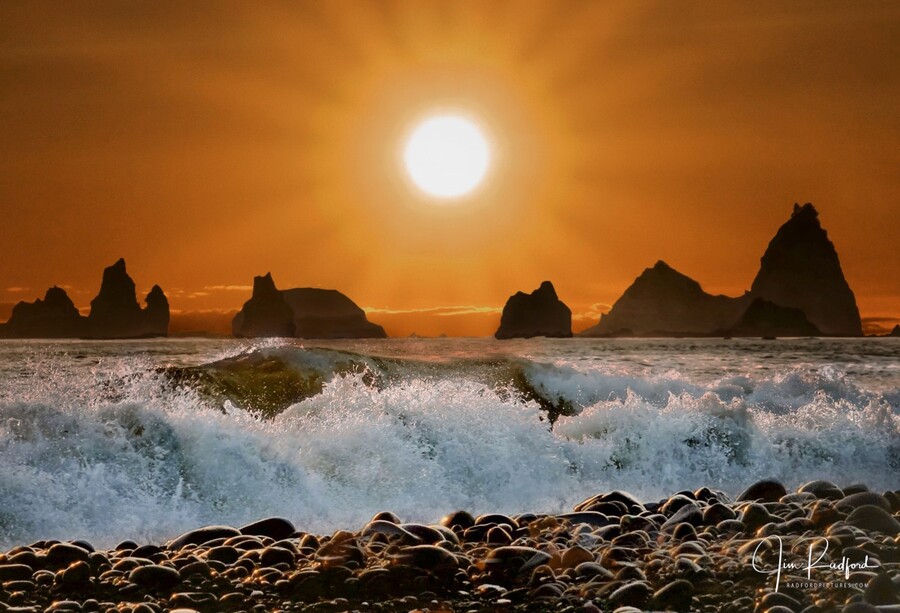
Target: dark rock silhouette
x: 266, y: 313
x: 895, y: 331
x: 767, y: 319
x: 800, y: 269
x: 664, y: 302
x: 327, y: 313
x: 303, y: 312
x: 156, y: 313
x: 53, y: 317
x: 540, y: 313
x: 115, y: 312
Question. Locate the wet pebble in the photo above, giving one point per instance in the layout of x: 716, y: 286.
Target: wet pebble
x: 276, y: 528
x: 874, y: 518
x: 155, y: 577
x: 763, y: 491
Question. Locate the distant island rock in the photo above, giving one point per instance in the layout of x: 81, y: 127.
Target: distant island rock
x: 895, y: 331
x: 767, y: 319
x: 266, y: 313
x: 800, y: 290
x: 664, y: 302
x: 115, y: 313
x: 53, y: 317
x: 540, y: 313
x: 801, y: 269
x: 302, y: 312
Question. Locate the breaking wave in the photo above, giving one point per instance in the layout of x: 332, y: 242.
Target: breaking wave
x: 329, y: 437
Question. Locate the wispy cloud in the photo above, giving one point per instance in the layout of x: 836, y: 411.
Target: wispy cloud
x: 881, y: 320
x: 17, y: 290
x: 439, y: 311
x: 222, y: 312
x: 879, y: 325
x: 228, y: 288
x: 593, y: 311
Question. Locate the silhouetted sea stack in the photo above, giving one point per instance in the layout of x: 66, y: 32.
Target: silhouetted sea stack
x: 895, y: 331
x: 157, y: 312
x: 53, y: 317
x: 800, y: 281
x: 801, y: 269
x: 266, y: 313
x: 115, y: 313
x: 303, y: 312
x: 767, y: 319
x: 664, y: 302
x: 540, y: 313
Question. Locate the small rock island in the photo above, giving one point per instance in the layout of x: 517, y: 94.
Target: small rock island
x: 801, y: 269
x: 800, y: 290
x: 665, y: 302
x: 540, y: 313
x: 115, y: 313
x: 53, y: 317
x: 303, y: 312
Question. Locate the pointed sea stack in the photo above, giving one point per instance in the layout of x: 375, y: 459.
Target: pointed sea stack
x: 156, y: 314
x: 800, y: 269
x: 302, y: 312
x: 53, y: 317
x: 116, y: 314
x: 664, y: 302
x: 540, y: 313
x: 266, y: 314
x: 895, y: 331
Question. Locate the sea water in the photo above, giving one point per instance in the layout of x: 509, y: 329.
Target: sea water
x: 99, y: 441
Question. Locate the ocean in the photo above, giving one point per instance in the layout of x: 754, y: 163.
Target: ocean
x: 142, y: 440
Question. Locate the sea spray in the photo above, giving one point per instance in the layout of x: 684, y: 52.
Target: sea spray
x: 106, y: 447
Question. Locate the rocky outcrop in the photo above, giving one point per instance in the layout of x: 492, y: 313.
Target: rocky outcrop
x: 767, y: 319
x: 800, y: 269
x: 53, y: 317
x: 115, y: 312
x: 156, y: 313
x: 800, y: 282
x: 664, y: 302
x: 327, y: 313
x: 540, y: 313
x: 302, y: 312
x: 266, y: 313
x: 895, y: 331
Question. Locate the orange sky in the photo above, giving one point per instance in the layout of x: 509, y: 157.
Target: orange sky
x: 207, y: 143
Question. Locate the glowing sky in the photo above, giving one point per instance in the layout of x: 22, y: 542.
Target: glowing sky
x: 207, y: 143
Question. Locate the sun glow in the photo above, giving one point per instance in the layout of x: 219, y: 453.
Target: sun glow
x: 447, y: 156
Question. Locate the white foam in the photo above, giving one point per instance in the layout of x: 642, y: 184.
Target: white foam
x: 114, y: 452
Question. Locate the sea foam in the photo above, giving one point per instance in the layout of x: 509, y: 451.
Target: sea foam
x: 115, y: 451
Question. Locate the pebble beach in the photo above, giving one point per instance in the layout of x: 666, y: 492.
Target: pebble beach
x: 692, y: 551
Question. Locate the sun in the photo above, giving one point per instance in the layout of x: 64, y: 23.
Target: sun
x: 447, y: 156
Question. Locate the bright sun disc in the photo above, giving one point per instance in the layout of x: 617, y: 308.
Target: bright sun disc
x: 447, y: 156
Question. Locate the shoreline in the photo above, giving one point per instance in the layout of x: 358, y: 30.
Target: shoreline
x: 821, y: 548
